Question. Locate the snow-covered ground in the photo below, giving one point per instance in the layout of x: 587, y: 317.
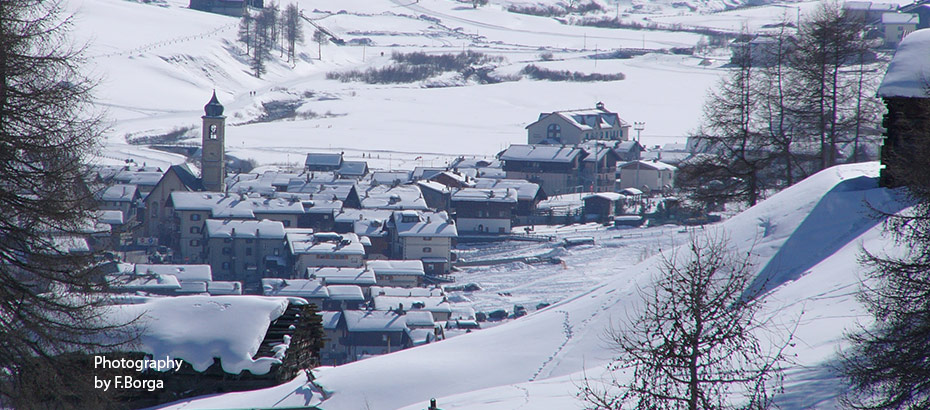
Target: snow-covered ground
x: 804, y: 240
x: 159, y: 61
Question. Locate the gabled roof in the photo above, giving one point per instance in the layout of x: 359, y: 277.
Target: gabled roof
x: 301, y: 242
x: 342, y: 276
x: 374, y: 321
x: 427, y: 303
x: 119, y: 193
x: 345, y: 292
x: 526, y: 190
x: 353, y: 168
x: 396, y: 267
x: 900, y: 18
x: 431, y: 224
x: 324, y: 159
x: 248, y: 229
x: 393, y: 197
x: 223, y: 205
x: 187, y: 177
x: 541, y: 153
x: 304, y: 288
x: 652, y: 165
x: 587, y: 118
x: 184, y: 273
x: 500, y: 195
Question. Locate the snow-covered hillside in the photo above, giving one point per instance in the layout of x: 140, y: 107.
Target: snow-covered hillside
x: 159, y: 61
x: 805, y: 240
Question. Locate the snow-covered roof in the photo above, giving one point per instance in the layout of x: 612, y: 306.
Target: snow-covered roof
x: 350, y: 215
x: 218, y: 288
x: 526, y: 191
x: 502, y: 195
x: 433, y: 224
x: 900, y: 18
x: 184, y: 273
x: 435, y: 186
x: 587, y: 118
x: 652, y: 165
x: 249, y: 229
x: 374, y: 321
x: 626, y: 146
x: 330, y: 319
x: 119, y: 193
x: 222, y: 205
x: 112, y: 217
x: 192, y: 287
x: 145, y: 283
x: 425, y: 172
x: 540, y: 153
x: 395, y: 291
x: 304, y: 288
x: 417, y: 318
x: 342, y: 276
x: 908, y: 73
x: 610, y: 196
x: 429, y: 303
x: 323, y: 159
x: 396, y: 267
x: 301, y: 242
x: 388, y: 197
x: 390, y: 177
x: 353, y: 168
x: 198, y: 329
x: 345, y: 292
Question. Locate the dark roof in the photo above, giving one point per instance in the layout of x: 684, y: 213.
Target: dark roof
x: 353, y: 168
x: 323, y: 159
x: 187, y: 178
x: 213, y: 108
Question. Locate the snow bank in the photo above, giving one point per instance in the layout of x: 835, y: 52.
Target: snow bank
x: 198, y: 329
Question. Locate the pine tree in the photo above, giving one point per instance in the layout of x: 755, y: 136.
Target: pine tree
x: 50, y: 296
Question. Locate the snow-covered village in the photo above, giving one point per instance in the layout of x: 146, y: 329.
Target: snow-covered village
x: 464, y: 204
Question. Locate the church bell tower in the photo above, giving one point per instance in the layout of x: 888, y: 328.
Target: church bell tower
x: 213, y: 153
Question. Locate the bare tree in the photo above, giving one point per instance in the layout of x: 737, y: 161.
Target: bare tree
x: 319, y: 37
x: 695, y: 344
x: 247, y: 30
x: 829, y: 41
x: 737, y: 152
x: 50, y: 296
x: 293, y: 30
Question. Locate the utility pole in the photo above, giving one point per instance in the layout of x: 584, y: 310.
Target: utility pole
x: 639, y: 126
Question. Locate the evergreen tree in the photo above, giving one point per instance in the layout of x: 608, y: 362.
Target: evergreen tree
x: 50, y: 295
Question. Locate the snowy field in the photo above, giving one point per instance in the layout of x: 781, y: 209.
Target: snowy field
x: 158, y: 79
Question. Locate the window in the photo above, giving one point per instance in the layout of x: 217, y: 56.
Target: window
x: 277, y: 251
x: 225, y: 265
x: 227, y: 250
x: 287, y: 223
x: 195, y: 229
x: 427, y: 249
x: 554, y: 131
x: 427, y: 238
x: 248, y: 240
x: 195, y: 217
x: 195, y: 242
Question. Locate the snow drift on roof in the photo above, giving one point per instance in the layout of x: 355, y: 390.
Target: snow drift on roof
x: 908, y: 74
